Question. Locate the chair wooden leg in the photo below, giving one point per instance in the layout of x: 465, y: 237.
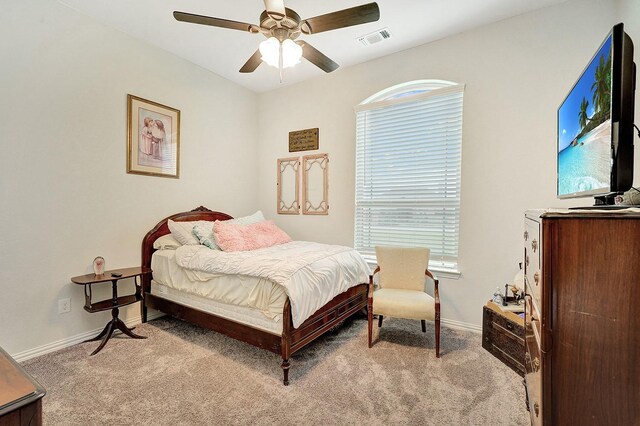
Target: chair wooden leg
x: 424, y: 326
x: 379, y: 321
x: 437, y: 324
x: 370, y: 324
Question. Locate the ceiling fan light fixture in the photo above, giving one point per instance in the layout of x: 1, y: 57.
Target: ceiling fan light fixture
x: 282, y: 26
x: 270, y: 51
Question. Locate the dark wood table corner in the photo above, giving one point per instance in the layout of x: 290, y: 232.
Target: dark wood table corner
x: 20, y: 394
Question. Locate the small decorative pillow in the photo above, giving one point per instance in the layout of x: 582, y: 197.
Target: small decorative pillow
x: 182, y: 231
x: 236, y: 237
x: 166, y: 242
x: 204, y: 233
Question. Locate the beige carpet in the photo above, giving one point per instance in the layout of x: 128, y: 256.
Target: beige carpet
x: 186, y: 375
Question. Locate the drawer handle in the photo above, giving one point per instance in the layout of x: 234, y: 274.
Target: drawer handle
x: 534, y: 245
x: 526, y: 235
x: 536, y: 408
x: 536, y: 278
x: 536, y: 364
x: 509, y: 326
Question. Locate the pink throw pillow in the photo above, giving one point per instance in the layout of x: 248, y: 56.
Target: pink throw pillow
x: 236, y: 237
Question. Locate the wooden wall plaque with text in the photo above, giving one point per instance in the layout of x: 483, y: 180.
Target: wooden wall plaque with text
x: 303, y: 140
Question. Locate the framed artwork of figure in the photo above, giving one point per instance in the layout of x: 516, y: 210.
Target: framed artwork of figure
x: 153, y: 138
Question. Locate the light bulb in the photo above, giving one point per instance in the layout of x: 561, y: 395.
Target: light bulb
x: 291, y: 53
x: 270, y: 51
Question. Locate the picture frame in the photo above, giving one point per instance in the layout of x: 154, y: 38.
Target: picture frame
x: 153, y: 138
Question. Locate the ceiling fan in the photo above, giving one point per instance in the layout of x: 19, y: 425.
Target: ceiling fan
x: 282, y: 26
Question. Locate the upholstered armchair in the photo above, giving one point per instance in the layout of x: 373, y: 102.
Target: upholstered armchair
x: 401, y: 289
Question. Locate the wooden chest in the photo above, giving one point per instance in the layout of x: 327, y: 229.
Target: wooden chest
x: 503, y: 336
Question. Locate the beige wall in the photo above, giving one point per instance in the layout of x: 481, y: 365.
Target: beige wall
x: 516, y: 72
x: 65, y: 196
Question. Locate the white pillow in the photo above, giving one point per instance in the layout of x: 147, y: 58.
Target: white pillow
x: 183, y: 231
x: 166, y: 242
x: 248, y: 220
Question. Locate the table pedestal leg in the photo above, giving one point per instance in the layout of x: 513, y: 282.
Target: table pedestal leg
x: 126, y: 330
x: 109, y: 332
x: 115, y: 324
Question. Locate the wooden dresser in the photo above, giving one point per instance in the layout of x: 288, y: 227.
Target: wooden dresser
x: 582, y: 323
x: 20, y: 395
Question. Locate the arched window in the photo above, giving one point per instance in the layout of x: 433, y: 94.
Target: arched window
x: 408, y: 160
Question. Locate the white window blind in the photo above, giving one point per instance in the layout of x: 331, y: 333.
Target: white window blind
x: 408, y: 157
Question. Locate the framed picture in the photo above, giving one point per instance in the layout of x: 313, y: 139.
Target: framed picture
x: 153, y: 138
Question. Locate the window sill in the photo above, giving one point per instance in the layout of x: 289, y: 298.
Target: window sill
x: 446, y: 273
x: 438, y: 272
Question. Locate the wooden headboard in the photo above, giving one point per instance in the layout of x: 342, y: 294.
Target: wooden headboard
x: 200, y: 213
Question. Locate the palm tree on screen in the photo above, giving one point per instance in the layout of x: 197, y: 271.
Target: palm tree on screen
x: 601, y: 87
x: 582, y: 115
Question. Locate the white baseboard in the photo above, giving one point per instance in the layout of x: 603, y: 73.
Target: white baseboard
x: 461, y: 325
x: 73, y: 340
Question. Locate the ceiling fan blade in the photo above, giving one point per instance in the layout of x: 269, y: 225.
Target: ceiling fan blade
x: 317, y: 58
x: 253, y: 62
x: 214, y: 22
x: 275, y: 9
x: 342, y: 18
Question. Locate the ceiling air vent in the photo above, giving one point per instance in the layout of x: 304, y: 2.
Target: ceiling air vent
x: 375, y: 37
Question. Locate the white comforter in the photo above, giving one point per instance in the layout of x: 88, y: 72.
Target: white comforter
x: 311, y: 273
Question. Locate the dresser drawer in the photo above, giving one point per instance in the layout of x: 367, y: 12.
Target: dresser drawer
x: 504, y: 339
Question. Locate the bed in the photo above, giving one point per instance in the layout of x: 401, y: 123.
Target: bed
x: 283, y: 339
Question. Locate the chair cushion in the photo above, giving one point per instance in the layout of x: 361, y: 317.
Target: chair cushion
x: 404, y: 304
x: 402, y: 267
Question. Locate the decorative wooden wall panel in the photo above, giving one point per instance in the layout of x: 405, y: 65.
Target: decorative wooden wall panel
x: 315, y: 184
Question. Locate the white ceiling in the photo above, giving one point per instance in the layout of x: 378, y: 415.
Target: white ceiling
x: 224, y: 51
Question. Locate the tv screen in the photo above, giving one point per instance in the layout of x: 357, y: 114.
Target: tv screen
x: 595, y: 123
x: 584, y: 130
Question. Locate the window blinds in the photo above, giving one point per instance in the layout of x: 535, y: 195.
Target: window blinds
x: 408, y: 157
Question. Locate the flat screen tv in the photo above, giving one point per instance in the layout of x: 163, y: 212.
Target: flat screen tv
x: 595, y: 125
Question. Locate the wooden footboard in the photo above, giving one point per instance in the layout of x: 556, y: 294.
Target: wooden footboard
x: 333, y: 313
x: 324, y: 319
x: 292, y: 339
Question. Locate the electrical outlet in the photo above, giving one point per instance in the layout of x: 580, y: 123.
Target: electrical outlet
x: 64, y: 306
